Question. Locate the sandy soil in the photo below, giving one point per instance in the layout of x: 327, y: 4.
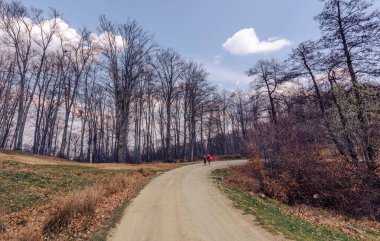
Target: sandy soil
x: 184, y: 204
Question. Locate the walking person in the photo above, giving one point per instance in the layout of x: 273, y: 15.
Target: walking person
x: 205, y: 159
x: 209, y: 159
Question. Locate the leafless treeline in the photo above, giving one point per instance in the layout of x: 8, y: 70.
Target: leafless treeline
x: 116, y: 96
x: 327, y: 93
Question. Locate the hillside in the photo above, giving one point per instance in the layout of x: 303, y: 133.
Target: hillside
x: 35, y: 192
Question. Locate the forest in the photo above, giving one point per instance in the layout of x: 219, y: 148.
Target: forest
x: 313, y: 126
x: 79, y: 108
x: 113, y: 97
x: 117, y: 96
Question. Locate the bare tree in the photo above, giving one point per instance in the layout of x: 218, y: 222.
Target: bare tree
x: 197, y: 96
x: 307, y: 61
x: 349, y: 27
x: 126, y: 60
x: 267, y: 77
x: 169, y: 69
x: 79, y: 56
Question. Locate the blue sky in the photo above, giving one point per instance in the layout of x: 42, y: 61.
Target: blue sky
x: 199, y: 28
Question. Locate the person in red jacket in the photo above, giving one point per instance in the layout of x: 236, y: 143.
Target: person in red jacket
x: 209, y: 159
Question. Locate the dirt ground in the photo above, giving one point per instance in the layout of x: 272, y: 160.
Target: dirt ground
x: 183, y: 204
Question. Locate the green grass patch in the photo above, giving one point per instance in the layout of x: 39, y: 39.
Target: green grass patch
x: 23, y: 185
x: 274, y: 219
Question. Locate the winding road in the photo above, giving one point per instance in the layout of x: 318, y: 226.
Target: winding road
x: 184, y: 204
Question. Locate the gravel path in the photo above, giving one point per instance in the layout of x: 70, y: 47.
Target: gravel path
x: 184, y: 204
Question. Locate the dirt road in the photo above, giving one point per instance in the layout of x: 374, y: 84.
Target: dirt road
x: 183, y: 204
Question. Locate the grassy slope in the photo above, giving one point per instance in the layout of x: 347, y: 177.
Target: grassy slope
x: 272, y: 217
x: 24, y: 185
x: 28, y: 180
x: 49, y: 160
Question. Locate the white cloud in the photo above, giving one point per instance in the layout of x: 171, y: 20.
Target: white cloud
x: 102, y: 40
x: 246, y: 42
x: 64, y: 36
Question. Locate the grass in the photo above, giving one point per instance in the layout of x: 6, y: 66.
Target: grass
x: 375, y: 234
x: 27, y: 158
x: 28, y: 180
x: 94, y: 195
x: 111, y: 223
x: 25, y: 185
x: 116, y: 215
x: 2, y: 213
x: 31, y: 233
x: 81, y: 202
x: 272, y: 217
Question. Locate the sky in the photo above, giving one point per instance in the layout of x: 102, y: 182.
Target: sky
x: 227, y: 36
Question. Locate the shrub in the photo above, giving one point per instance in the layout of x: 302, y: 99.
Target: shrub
x: 2, y: 225
x: 145, y: 172
x: 61, y: 218
x: 116, y: 184
x: 240, y: 178
x: 301, y: 178
x: 82, y: 203
x: 90, y: 199
x: 294, y: 163
x: 229, y: 157
x: 31, y: 233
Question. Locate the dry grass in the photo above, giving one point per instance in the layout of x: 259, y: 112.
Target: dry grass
x: 82, y: 203
x: 62, y: 217
x: 32, y: 188
x: 49, y: 160
x: 117, y: 184
x: 2, y: 214
x: 31, y: 233
x: 90, y: 199
x: 26, y: 185
x: 228, y: 157
x: 146, y: 172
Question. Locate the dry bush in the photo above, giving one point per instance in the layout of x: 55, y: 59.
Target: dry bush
x: 82, y: 203
x: 335, y: 185
x: 31, y: 233
x: 290, y: 168
x: 240, y: 178
x: 145, y: 172
x: 2, y: 214
x: 61, y: 218
x: 229, y: 157
x: 116, y: 184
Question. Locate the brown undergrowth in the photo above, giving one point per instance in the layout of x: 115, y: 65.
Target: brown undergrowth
x: 2, y: 214
x: 52, y: 199
x: 330, y: 193
x: 228, y: 157
x: 76, y: 216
